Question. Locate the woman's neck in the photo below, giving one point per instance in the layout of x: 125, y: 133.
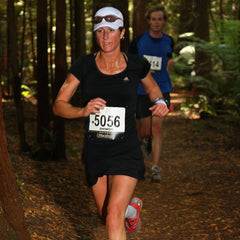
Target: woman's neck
x: 110, y: 63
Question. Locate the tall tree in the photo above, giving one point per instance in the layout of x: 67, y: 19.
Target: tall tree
x: 80, y: 46
x: 60, y: 74
x: 201, y: 29
x: 32, y: 42
x: 23, y: 39
x: 140, y: 24
x: 51, y: 44
x: 78, y: 37
x: 238, y: 18
x: 123, y: 7
x: 72, y: 28
x: 12, y: 222
x: 186, y: 17
x: 185, y: 24
x: 43, y: 128
x: 13, y: 72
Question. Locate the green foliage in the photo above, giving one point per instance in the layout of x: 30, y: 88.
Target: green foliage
x: 19, y: 181
x: 220, y: 93
x: 27, y: 91
x: 196, y: 106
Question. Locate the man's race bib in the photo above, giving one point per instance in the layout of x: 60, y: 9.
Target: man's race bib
x: 156, y: 62
x: 109, y: 123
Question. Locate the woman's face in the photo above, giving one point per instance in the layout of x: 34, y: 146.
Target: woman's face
x: 109, y: 39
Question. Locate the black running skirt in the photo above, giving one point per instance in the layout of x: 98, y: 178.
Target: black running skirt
x: 113, y: 158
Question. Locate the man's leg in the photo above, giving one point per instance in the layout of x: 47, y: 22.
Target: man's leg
x: 156, y: 147
x: 144, y: 127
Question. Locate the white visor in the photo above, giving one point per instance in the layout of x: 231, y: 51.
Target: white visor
x: 109, y: 11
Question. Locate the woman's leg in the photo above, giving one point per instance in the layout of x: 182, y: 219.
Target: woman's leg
x: 114, y: 192
x: 120, y: 193
x: 100, y: 194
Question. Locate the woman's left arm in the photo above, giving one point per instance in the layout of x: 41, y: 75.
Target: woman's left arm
x: 152, y: 89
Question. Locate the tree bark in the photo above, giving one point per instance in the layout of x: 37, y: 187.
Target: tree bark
x: 203, y: 64
x: 140, y: 24
x: 32, y: 34
x: 186, y: 17
x: 60, y: 75
x: 43, y: 128
x: 13, y: 74
x: 12, y: 222
x: 186, y: 21
x: 80, y: 46
x: 78, y: 43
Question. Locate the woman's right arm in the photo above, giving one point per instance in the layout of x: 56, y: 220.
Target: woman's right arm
x: 63, y: 108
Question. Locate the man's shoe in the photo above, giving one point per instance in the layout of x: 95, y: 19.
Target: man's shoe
x: 147, y: 143
x: 133, y: 225
x: 156, y: 176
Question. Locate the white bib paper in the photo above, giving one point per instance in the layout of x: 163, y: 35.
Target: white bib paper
x: 156, y: 62
x: 110, y: 119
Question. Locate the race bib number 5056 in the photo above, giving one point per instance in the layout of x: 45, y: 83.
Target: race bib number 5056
x: 110, y: 119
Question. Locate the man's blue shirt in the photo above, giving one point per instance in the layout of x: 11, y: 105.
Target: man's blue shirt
x: 159, y: 48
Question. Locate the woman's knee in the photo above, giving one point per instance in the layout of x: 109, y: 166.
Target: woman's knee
x: 115, y: 216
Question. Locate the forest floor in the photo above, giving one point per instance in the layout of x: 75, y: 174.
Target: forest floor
x: 197, y: 199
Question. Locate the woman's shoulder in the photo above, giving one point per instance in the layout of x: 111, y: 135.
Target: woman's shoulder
x: 138, y: 64
x: 82, y: 65
x: 136, y: 59
x: 84, y: 59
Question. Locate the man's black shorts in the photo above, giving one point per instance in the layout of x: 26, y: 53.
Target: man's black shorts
x: 144, y: 103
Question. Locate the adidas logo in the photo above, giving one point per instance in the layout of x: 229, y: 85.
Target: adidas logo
x: 126, y: 79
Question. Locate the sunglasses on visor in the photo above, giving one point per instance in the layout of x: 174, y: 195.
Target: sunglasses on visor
x: 108, y: 18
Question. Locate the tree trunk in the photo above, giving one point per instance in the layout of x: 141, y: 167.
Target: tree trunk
x: 51, y: 45
x: 140, y: 24
x: 237, y: 17
x: 43, y: 128
x: 13, y: 74
x: 203, y: 64
x: 60, y: 75
x: 185, y: 24
x: 123, y: 7
x: 80, y: 46
x: 72, y: 29
x: 32, y: 34
x: 23, y: 40
x: 12, y: 222
x: 186, y: 17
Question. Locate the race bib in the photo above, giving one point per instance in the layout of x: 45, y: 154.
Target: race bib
x: 109, y: 123
x: 156, y: 62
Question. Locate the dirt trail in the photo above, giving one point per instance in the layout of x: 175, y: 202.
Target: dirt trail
x: 197, y: 199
